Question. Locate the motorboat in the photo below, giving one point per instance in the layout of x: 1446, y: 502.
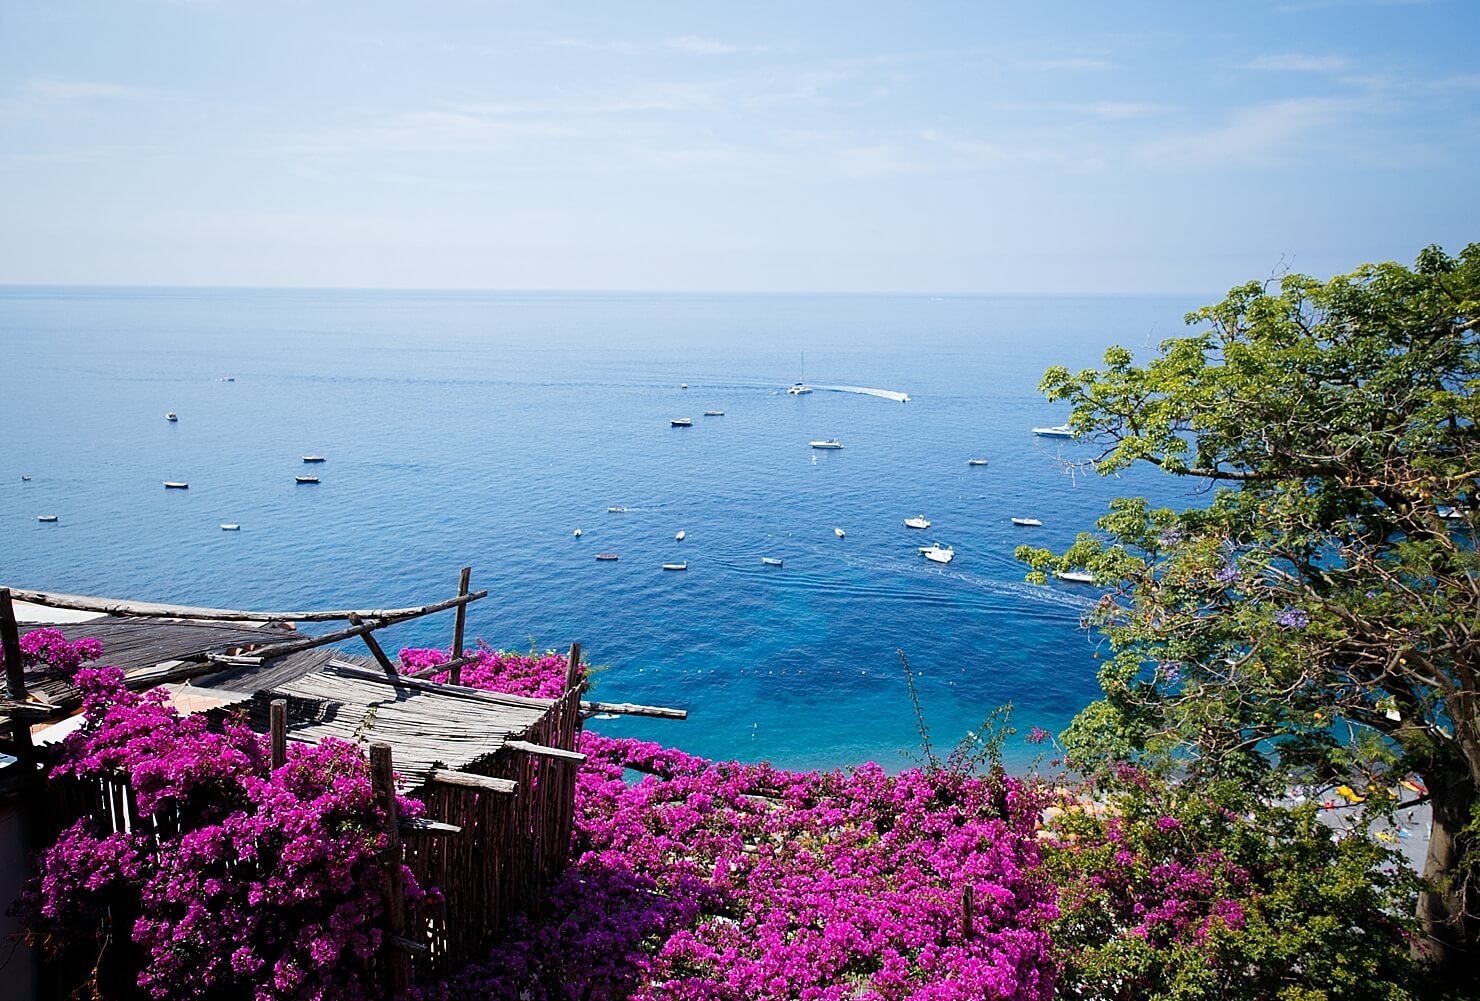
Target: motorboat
x: 976, y: 462
x: 839, y: 532
x: 25, y: 479
x: 172, y: 417
x: 176, y: 485
x: 606, y: 556
x: 46, y: 517
x: 936, y: 553
x: 770, y: 561
x: 618, y: 510
x: 576, y: 533
x: 1027, y: 522
x: 828, y: 443
x: 683, y: 385
x: 680, y: 535
x: 1450, y: 513
x: 306, y: 479
x: 714, y: 413
x: 225, y: 527
x: 1057, y: 431
x: 1075, y: 576
x: 919, y: 521
x: 798, y: 389
x: 676, y: 566
x: 681, y: 422
x: 313, y: 458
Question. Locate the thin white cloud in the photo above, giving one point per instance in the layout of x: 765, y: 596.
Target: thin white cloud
x: 55, y: 88
x: 1259, y: 134
x: 687, y: 44
x: 712, y: 46
x: 1297, y: 62
x: 1109, y: 110
x: 1072, y: 64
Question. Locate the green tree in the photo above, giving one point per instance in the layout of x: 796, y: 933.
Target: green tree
x: 1319, y: 617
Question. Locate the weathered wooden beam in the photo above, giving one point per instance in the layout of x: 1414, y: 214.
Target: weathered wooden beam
x: 10, y: 644
x: 467, y: 780
x: 406, y: 945
x: 464, y: 579
x: 152, y: 609
x: 265, y: 653
x: 545, y: 752
x: 431, y: 669
x: 573, y: 667
x: 628, y: 709
x: 421, y: 825
x: 277, y: 729
x: 375, y: 649
x: 393, y: 890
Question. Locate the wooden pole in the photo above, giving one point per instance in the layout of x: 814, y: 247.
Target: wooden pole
x: 278, y: 730
x: 15, y: 670
x: 573, y: 667
x: 375, y: 649
x: 458, y: 625
x: 383, y: 780
x: 968, y: 911
x: 154, y: 609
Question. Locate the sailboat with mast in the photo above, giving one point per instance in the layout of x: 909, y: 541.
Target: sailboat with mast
x: 800, y: 387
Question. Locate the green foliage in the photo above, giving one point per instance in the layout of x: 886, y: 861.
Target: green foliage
x: 1317, y: 619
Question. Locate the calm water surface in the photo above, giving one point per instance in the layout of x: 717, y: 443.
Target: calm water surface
x: 484, y: 428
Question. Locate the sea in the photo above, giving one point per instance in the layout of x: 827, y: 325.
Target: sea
x: 483, y: 429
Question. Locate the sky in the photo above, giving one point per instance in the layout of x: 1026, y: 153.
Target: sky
x: 975, y: 147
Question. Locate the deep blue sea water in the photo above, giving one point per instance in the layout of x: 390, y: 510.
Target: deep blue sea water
x: 483, y: 428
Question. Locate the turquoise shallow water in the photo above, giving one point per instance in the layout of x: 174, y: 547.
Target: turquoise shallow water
x: 483, y: 428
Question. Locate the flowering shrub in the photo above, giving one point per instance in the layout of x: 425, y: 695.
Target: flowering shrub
x: 236, y: 880
x: 538, y: 675
x: 727, y: 881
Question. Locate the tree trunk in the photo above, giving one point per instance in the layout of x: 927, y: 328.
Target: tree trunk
x: 1449, y: 906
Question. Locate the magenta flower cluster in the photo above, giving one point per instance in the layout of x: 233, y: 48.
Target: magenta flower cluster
x: 713, y: 880
x: 538, y: 675
x: 230, y: 878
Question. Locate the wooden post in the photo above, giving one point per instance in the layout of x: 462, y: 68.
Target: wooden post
x: 458, y: 625
x: 15, y: 671
x: 573, y: 667
x: 383, y: 781
x: 968, y: 911
x: 278, y: 730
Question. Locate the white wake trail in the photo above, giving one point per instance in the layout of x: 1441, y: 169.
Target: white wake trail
x: 887, y: 394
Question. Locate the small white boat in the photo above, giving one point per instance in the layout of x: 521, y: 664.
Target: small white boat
x: 1450, y: 513
x: 313, y: 458
x: 676, y: 566
x: 827, y: 443
x: 839, y: 532
x: 176, y: 485
x: 680, y: 535
x: 681, y: 422
x: 576, y: 533
x: 171, y: 416
x: 918, y: 521
x: 229, y: 378
x: 937, y: 553
x: 1075, y: 576
x: 1057, y: 431
x: 225, y: 527
x: 606, y: 716
x: 606, y: 556
x: 798, y: 389
x: 1027, y: 522
x: 770, y: 561
x: 46, y: 517
x: 976, y: 462
x: 25, y: 479
x: 306, y: 479
x: 714, y: 413
x: 683, y: 385
x: 617, y: 510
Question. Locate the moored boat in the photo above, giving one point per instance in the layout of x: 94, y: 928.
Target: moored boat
x: 172, y: 417
x: 976, y: 462
x: 1075, y: 576
x: 306, y: 479
x: 1027, y: 522
x: 714, y: 413
x: 606, y: 556
x: 229, y: 527
x: 680, y: 535
x: 936, y: 553
x: 1057, y: 431
x: 676, y: 566
x: 313, y: 458
x: 919, y: 521
x: 826, y: 443
x: 46, y: 517
x: 617, y: 510
x: 176, y: 485
x: 770, y: 561
x: 682, y: 422
x: 576, y: 533
x: 839, y: 532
